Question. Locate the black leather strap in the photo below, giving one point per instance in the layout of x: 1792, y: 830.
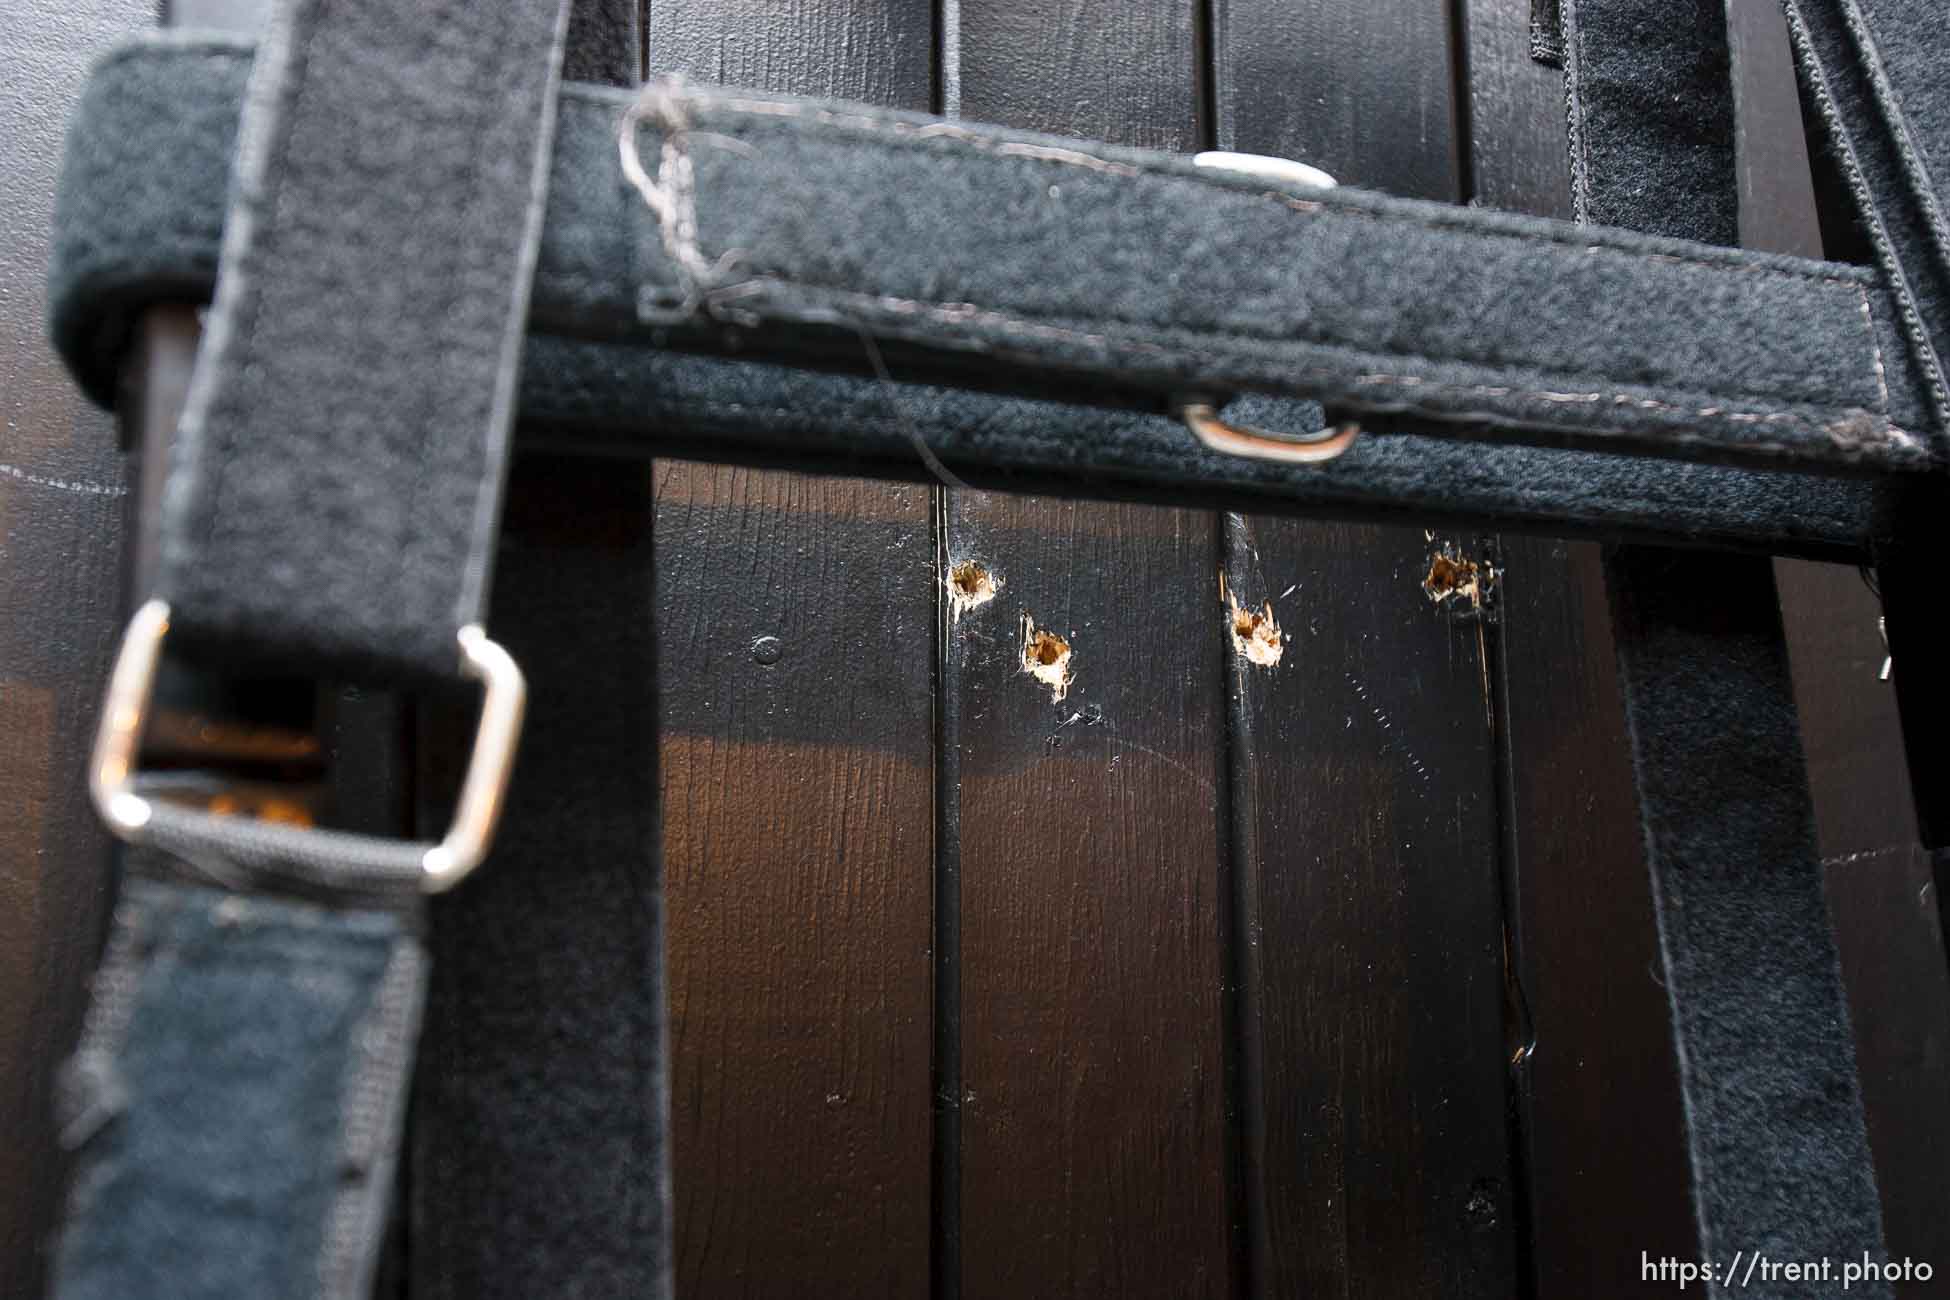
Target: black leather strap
x: 335, y: 483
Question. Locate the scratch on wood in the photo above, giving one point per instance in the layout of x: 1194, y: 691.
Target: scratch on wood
x: 63, y: 485
x: 1387, y: 725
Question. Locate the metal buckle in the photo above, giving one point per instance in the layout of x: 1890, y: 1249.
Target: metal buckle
x: 483, y: 791
x: 1199, y: 416
x: 1259, y: 444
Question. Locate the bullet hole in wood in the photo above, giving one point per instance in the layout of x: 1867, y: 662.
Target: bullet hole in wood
x: 1455, y: 580
x: 970, y: 586
x: 1256, y: 635
x: 1046, y: 657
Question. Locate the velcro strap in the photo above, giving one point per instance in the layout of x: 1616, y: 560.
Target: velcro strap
x: 335, y: 481
x: 142, y: 217
x: 989, y: 258
x: 237, y: 1096
x: 1873, y: 73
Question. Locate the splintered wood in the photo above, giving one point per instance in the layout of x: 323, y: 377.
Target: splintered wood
x: 1046, y: 657
x: 970, y: 586
x: 1454, y: 579
x: 1256, y: 634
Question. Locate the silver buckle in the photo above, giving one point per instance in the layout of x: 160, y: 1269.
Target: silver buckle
x: 1200, y: 417
x: 483, y: 792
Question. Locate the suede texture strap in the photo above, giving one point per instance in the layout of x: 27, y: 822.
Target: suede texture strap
x: 1780, y: 1155
x: 1872, y: 69
x: 1048, y: 268
x: 236, y: 1101
x: 335, y: 481
x: 1780, y: 1150
x: 142, y: 218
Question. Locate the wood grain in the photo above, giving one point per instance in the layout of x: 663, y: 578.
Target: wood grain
x: 62, y: 498
x: 794, y: 621
x: 1090, y: 828
x: 1586, y: 939
x: 1365, y: 780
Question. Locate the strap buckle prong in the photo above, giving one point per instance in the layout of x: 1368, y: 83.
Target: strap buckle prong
x: 111, y: 772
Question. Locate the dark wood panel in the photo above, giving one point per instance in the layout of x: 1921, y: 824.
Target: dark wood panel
x: 1607, y: 1167
x: 1092, y: 1115
x: 795, y: 636
x: 1601, y: 1060
x: 1092, y: 1094
x: 1366, y: 774
x: 1880, y: 893
x: 1361, y: 90
x: 62, y: 497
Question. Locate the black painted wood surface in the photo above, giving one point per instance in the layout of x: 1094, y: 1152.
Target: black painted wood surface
x: 794, y: 619
x: 1598, y: 1087
x: 1365, y: 775
x: 1209, y: 978
x: 1089, y: 817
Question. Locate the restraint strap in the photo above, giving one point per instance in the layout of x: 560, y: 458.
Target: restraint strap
x: 1780, y: 1151
x: 1872, y: 70
x: 787, y: 229
x: 142, y: 217
x: 1780, y: 1155
x: 335, y: 481
x: 332, y: 501
x: 237, y: 1094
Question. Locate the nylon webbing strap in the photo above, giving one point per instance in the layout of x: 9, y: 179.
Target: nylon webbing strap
x: 1873, y: 73
x: 332, y: 502
x: 1780, y: 1156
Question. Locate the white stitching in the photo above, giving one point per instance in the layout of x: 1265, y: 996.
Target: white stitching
x: 1882, y: 377
x: 62, y: 484
x: 962, y: 313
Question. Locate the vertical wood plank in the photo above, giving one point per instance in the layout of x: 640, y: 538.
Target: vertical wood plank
x: 1366, y: 780
x: 1091, y: 1090
x: 62, y: 497
x: 794, y: 619
x: 1880, y: 893
x: 1587, y: 941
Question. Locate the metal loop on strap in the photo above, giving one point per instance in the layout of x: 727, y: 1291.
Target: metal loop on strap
x: 111, y: 772
x: 1259, y: 444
